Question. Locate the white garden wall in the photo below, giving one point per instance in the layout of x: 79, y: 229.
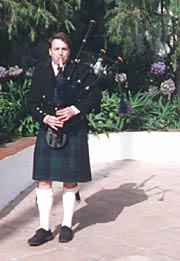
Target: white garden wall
x: 148, y: 146
x: 15, y: 175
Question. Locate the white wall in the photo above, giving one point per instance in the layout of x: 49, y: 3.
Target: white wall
x: 148, y: 146
x: 15, y: 175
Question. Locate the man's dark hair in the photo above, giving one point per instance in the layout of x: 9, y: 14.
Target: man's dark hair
x: 62, y: 36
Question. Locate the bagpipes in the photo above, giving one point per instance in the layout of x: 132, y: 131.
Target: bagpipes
x: 68, y: 90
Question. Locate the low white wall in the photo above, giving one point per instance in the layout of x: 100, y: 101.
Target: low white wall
x: 148, y: 146
x: 16, y: 170
x: 15, y: 175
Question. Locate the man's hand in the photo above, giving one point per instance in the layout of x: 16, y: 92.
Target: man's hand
x: 53, y: 121
x: 65, y: 114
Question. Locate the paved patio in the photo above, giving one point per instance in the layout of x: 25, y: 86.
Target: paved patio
x: 129, y: 212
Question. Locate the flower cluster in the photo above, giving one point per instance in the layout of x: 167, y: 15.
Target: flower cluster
x: 120, y: 77
x: 124, y: 108
x: 168, y: 87
x: 158, y: 68
x: 161, y: 80
x: 3, y: 72
x: 13, y: 71
x: 153, y: 90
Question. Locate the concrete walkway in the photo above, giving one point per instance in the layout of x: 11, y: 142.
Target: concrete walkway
x: 129, y: 212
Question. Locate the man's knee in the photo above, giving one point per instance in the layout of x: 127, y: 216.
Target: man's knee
x: 44, y: 184
x: 69, y: 184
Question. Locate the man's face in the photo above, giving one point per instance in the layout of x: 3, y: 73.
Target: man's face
x: 59, y: 52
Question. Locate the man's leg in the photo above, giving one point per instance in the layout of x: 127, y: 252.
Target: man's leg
x: 70, y: 191
x: 44, y: 196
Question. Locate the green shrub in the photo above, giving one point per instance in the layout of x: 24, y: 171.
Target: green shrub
x: 14, y: 119
x: 149, y: 113
x: 107, y: 120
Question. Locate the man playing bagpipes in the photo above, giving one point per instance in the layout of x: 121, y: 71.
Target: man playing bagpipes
x: 61, y: 94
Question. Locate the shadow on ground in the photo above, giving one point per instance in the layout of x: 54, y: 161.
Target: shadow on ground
x: 106, y: 205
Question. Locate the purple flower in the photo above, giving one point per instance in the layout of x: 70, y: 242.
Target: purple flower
x: 3, y: 72
x: 121, y: 77
x: 168, y: 87
x: 15, y: 71
x: 124, y: 108
x: 158, y: 68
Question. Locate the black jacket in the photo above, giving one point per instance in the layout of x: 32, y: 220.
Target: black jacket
x: 41, y: 95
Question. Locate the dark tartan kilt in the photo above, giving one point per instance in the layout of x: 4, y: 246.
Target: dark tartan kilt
x: 68, y: 164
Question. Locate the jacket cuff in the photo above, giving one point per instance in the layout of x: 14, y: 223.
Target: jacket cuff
x: 76, y: 110
x: 45, y: 119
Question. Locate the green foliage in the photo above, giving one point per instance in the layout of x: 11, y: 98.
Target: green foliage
x: 14, y: 119
x: 126, y: 20
x: 175, y: 32
x: 107, y: 119
x: 28, y: 126
x: 146, y: 28
x: 36, y: 18
x: 149, y: 113
x: 164, y: 115
x: 154, y: 113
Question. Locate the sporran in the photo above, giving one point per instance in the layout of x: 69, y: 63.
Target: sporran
x: 56, y: 139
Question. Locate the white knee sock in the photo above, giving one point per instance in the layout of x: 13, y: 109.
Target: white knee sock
x: 44, y: 202
x: 68, y: 205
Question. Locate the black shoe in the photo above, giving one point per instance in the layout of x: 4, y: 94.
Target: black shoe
x: 41, y: 236
x: 66, y: 234
x: 77, y: 196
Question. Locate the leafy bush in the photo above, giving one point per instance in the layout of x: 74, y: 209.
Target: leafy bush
x: 149, y: 113
x: 14, y: 119
x: 107, y: 119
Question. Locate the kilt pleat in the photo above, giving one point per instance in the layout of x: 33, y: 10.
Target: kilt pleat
x: 68, y: 164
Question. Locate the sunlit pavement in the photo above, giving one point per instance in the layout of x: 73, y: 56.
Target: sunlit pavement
x: 129, y: 212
